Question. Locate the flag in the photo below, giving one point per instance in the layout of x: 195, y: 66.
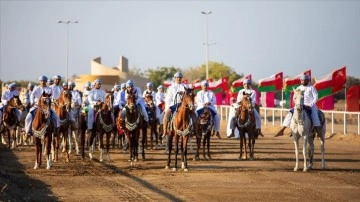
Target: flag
x: 237, y: 85
x: 327, y: 103
x: 331, y: 83
x: 353, y: 99
x: 294, y: 82
x: 218, y: 88
x: 267, y: 99
x: 272, y: 83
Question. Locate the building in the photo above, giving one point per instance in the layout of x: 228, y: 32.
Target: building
x: 109, y: 75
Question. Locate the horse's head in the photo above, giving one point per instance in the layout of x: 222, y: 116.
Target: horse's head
x: 65, y: 100
x: 149, y: 100
x: 299, y: 99
x: 187, y: 99
x: 108, y: 102
x: 131, y: 101
x: 44, y: 104
x: 205, y: 117
x: 245, y: 106
x: 15, y: 102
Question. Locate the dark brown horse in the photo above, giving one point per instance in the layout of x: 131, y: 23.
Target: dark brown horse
x: 104, y: 124
x: 181, y: 128
x: 151, y: 109
x: 10, y: 119
x: 62, y: 109
x: 131, y: 124
x: 206, y: 125
x: 245, y: 123
x: 43, y: 127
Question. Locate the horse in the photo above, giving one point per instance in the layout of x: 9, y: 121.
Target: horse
x: 182, y: 126
x: 245, y: 123
x: 206, y: 125
x: 62, y: 109
x: 43, y: 127
x: 300, y: 126
x: 151, y: 109
x: 131, y: 124
x: 10, y: 119
x: 76, y: 127
x: 104, y: 124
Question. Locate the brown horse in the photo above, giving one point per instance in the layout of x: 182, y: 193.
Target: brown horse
x: 131, y: 124
x: 10, y: 119
x: 181, y: 128
x: 104, y: 124
x: 206, y: 126
x: 62, y: 109
x: 245, y: 123
x: 43, y: 127
x: 151, y: 109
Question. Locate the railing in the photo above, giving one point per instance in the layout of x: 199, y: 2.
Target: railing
x: 348, y: 121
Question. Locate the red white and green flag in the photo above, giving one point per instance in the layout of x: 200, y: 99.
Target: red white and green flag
x: 237, y: 85
x: 219, y: 87
x: 272, y: 83
x: 294, y: 82
x: 331, y: 83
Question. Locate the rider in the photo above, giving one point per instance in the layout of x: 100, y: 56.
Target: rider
x: 206, y: 98
x: 171, y: 103
x: 49, y: 82
x: 6, y: 96
x: 116, y: 102
x: 310, y: 99
x: 87, y: 89
x: 75, y: 101
x: 130, y: 88
x: 149, y: 90
x: 96, y: 97
x: 64, y: 86
x: 34, y: 99
x: 248, y: 90
x: 56, y: 88
x: 121, y: 94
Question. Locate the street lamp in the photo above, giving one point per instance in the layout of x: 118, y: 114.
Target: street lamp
x: 206, y: 42
x: 68, y: 22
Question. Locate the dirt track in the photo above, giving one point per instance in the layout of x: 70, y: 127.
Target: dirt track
x: 270, y: 177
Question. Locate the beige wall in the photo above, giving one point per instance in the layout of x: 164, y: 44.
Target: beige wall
x: 109, y: 75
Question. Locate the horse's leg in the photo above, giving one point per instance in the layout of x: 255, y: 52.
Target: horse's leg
x: 208, y: 144
x: 101, y: 144
x: 169, y: 145
x: 151, y: 137
x: 241, y: 140
x: 176, y: 151
x: 37, y: 153
x: 310, y: 151
x: 296, y: 143
x: 198, y: 143
x: 204, y: 145
x: 108, y: 136
x: 67, y: 145
x: 250, y: 144
x: 143, y: 142
x: 304, y: 152
x: 90, y: 142
x: 322, y: 139
x: 48, y: 141
x: 184, y: 152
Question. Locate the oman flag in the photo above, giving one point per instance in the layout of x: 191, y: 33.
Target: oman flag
x: 219, y: 87
x: 237, y: 85
x: 331, y: 83
x: 294, y: 82
x: 272, y: 83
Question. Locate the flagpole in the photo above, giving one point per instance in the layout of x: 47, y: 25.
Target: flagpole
x: 345, y: 131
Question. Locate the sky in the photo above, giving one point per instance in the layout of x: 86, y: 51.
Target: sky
x: 260, y: 38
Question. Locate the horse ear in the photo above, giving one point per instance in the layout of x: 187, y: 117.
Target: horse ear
x: 244, y: 93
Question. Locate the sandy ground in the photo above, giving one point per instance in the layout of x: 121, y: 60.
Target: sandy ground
x: 270, y: 177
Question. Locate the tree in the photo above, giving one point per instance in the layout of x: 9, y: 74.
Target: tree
x: 161, y: 74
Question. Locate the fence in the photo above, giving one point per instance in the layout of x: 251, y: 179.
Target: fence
x: 336, y: 121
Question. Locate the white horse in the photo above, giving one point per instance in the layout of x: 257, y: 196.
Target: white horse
x: 300, y: 127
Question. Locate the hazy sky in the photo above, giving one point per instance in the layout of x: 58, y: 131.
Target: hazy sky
x: 253, y: 37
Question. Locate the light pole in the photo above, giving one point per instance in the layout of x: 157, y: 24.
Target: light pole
x: 68, y: 22
x: 206, y: 42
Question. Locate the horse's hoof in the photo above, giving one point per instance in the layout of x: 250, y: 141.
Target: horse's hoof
x: 295, y: 169
x: 196, y: 158
x: 305, y: 170
x: 36, y: 166
x: 167, y: 167
x: 186, y: 170
x: 174, y: 169
x: 101, y: 160
x: 90, y: 156
x: 252, y: 158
